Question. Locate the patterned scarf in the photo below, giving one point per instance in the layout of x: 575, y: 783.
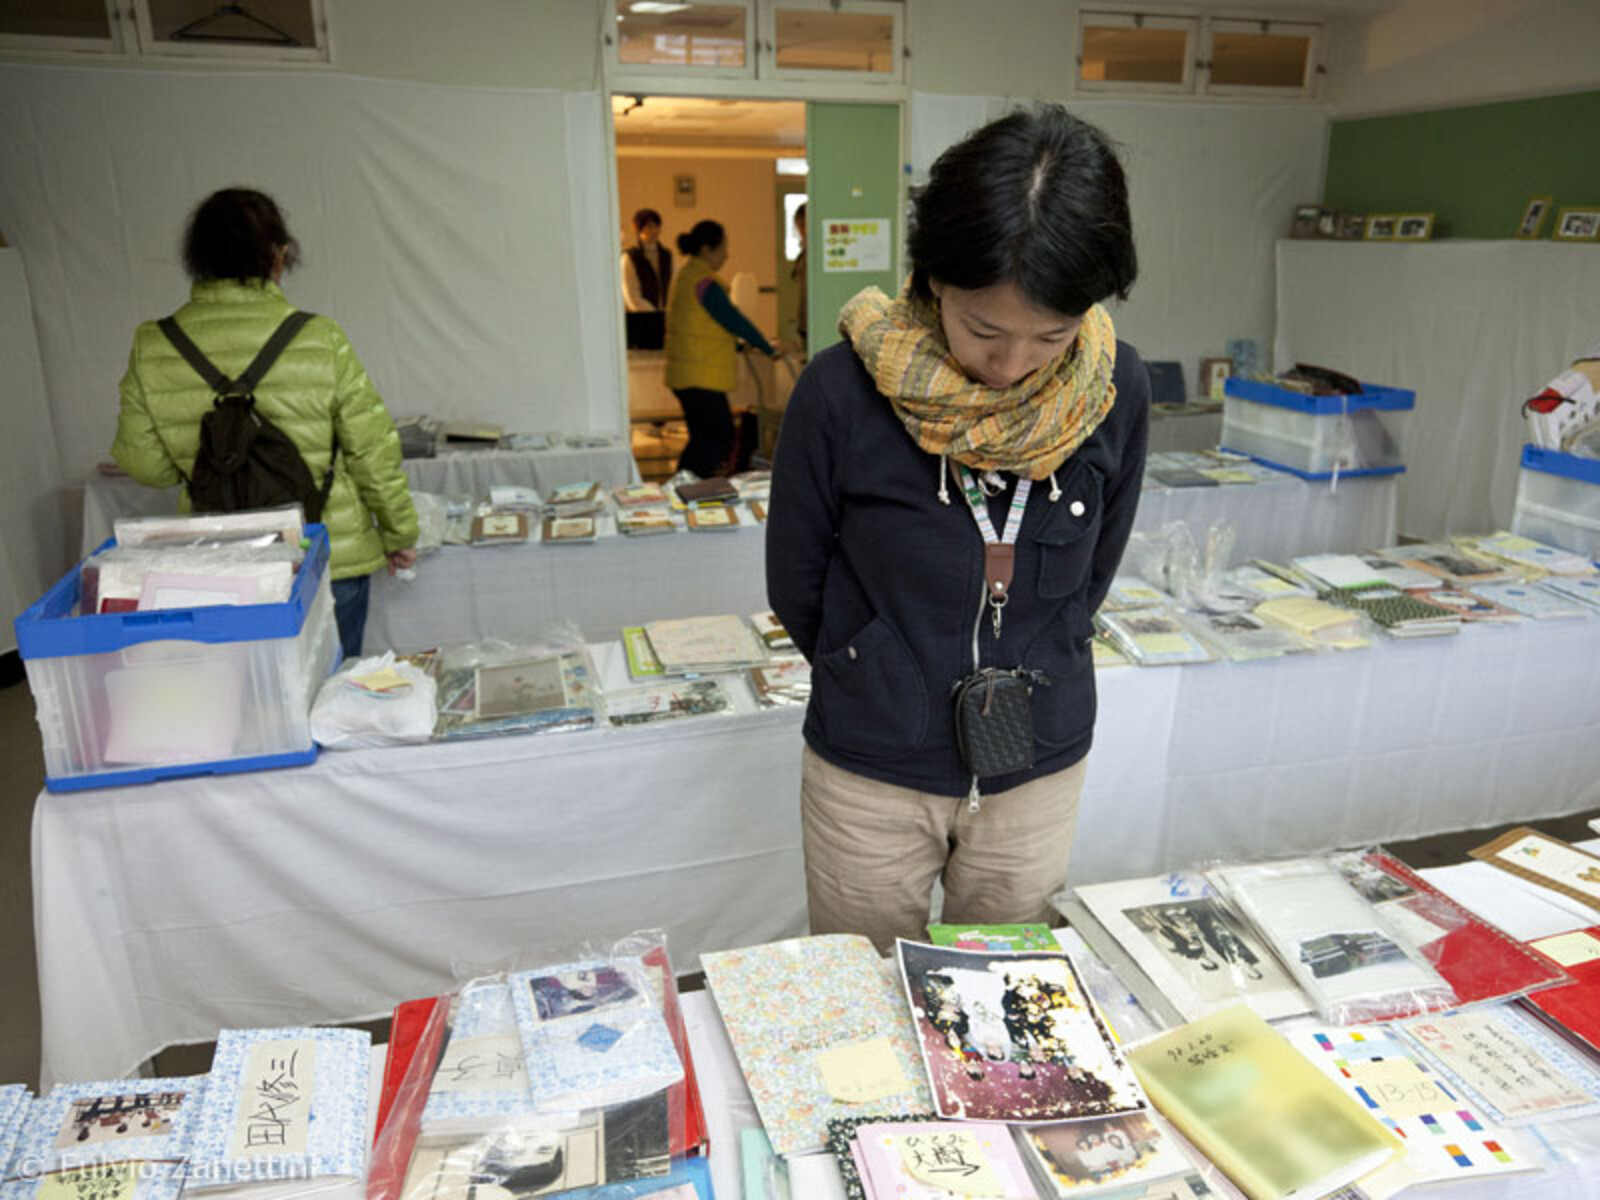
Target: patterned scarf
x: 1029, y: 428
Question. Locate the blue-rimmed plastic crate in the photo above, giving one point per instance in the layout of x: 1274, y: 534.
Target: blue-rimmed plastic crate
x: 1317, y: 437
x: 134, y: 697
x: 1558, y: 500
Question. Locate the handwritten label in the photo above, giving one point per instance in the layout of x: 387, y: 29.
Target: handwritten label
x: 1496, y: 1064
x: 1569, y: 949
x: 1399, y: 1086
x: 482, y: 1064
x: 953, y: 1161
x: 275, y: 1099
x: 104, y: 1181
x: 1199, y: 1051
x: 861, y: 1072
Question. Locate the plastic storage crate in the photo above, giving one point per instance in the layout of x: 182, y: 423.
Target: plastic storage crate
x: 135, y: 697
x: 1316, y: 437
x: 1558, y: 500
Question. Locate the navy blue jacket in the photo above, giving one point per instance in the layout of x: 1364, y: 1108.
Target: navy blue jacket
x: 880, y: 583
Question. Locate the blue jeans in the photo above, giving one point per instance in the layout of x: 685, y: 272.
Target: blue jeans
x: 350, y: 597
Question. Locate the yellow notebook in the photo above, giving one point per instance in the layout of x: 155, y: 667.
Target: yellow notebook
x: 1315, y: 619
x: 1252, y: 1104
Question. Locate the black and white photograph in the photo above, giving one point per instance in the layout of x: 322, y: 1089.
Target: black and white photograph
x: 1533, y: 217
x: 1578, y: 225
x: 1345, y: 951
x: 522, y: 687
x: 1209, y: 947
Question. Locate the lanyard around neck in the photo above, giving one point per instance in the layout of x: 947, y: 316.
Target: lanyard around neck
x: 999, y: 551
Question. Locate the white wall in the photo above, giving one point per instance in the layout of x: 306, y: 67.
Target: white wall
x: 459, y: 234
x: 1428, y: 54
x: 739, y: 192
x: 1211, y: 188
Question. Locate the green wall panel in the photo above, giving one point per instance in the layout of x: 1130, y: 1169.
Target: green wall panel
x: 854, y: 156
x: 1475, y: 167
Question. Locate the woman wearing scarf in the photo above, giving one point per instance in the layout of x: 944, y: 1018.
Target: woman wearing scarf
x: 954, y: 486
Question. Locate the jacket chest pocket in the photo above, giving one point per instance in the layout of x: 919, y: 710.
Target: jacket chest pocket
x: 1069, y: 533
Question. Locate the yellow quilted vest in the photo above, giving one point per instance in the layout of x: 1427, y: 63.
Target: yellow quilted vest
x: 700, y: 353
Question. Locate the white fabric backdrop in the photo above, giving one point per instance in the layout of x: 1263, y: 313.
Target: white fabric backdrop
x: 1212, y: 187
x: 456, y: 233
x: 1474, y: 327
x: 33, y: 554
x: 332, y: 891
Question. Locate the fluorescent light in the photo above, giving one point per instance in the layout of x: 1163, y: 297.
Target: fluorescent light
x: 792, y: 166
x: 656, y: 6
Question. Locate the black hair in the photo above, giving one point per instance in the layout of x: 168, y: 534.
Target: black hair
x: 236, y: 234
x: 800, y: 213
x: 1037, y: 198
x: 706, y: 235
x: 645, y: 216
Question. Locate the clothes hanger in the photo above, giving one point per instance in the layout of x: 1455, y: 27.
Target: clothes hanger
x: 195, y: 31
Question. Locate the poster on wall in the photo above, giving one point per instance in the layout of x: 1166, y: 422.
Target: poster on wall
x: 855, y: 244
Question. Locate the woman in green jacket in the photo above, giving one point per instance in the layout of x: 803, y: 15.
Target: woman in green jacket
x: 236, y: 249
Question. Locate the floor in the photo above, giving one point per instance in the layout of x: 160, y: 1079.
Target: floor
x: 22, y: 775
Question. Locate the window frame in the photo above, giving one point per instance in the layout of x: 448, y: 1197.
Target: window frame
x: 1107, y: 18
x: 623, y: 72
x: 1314, y: 31
x: 768, y: 56
x: 114, y: 43
x: 149, y: 45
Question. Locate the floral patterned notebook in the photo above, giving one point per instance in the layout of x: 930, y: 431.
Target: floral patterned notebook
x: 820, y: 1032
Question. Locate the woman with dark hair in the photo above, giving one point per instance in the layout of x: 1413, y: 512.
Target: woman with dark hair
x: 954, y: 486
x: 236, y: 249
x: 646, y: 266
x: 704, y: 330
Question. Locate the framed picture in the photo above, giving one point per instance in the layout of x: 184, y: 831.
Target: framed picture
x: 1533, y: 216
x: 1381, y: 227
x: 1413, y: 227
x: 1352, y: 226
x: 1213, y: 372
x: 1578, y: 225
x: 1306, y: 217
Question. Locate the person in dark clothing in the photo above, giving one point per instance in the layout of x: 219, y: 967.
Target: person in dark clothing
x: 646, y: 266
x: 704, y: 330
x: 991, y: 395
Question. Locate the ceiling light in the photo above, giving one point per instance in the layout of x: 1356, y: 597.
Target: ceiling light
x: 656, y: 6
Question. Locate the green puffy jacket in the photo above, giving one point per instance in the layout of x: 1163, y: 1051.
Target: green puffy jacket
x: 317, y: 389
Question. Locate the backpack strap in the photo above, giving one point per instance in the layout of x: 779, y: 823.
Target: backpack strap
x: 220, y: 383
x: 262, y: 363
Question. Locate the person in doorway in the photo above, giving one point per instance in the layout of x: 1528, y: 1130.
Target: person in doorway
x: 646, y: 266
x: 953, y: 488
x: 236, y: 250
x: 798, y: 274
x: 704, y: 330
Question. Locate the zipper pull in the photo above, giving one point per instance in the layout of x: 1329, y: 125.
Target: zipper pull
x: 974, y: 800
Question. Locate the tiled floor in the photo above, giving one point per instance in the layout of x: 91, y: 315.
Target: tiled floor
x: 22, y: 774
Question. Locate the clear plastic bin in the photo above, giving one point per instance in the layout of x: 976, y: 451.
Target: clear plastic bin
x: 1317, y: 437
x: 1558, y: 500
x: 134, y: 697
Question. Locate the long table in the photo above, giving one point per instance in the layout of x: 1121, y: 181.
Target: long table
x: 463, y: 594
x: 328, y: 892
x: 464, y: 472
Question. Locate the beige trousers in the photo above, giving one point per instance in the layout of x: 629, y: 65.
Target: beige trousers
x: 873, y: 851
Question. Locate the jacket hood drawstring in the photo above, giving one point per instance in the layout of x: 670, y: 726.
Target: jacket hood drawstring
x: 944, y: 480
x: 1055, y: 488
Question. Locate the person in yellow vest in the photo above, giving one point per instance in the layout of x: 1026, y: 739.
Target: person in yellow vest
x: 704, y: 329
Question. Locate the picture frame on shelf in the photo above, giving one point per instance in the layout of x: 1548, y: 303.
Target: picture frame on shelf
x: 1413, y: 227
x: 1304, y: 224
x: 1533, y: 217
x: 1213, y: 373
x: 1578, y: 224
x: 1381, y: 227
x: 1352, y: 225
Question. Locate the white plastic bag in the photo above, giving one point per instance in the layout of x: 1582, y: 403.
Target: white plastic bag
x: 374, y: 702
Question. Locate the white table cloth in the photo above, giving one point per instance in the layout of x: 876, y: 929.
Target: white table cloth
x: 463, y: 594
x: 467, y: 472
x: 332, y: 891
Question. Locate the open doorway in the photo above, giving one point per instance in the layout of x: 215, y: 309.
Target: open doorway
x: 741, y: 163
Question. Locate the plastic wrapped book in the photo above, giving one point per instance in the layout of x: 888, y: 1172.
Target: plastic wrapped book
x: 1152, y: 637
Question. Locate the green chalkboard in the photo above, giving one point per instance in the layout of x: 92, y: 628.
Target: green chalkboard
x: 1474, y: 167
